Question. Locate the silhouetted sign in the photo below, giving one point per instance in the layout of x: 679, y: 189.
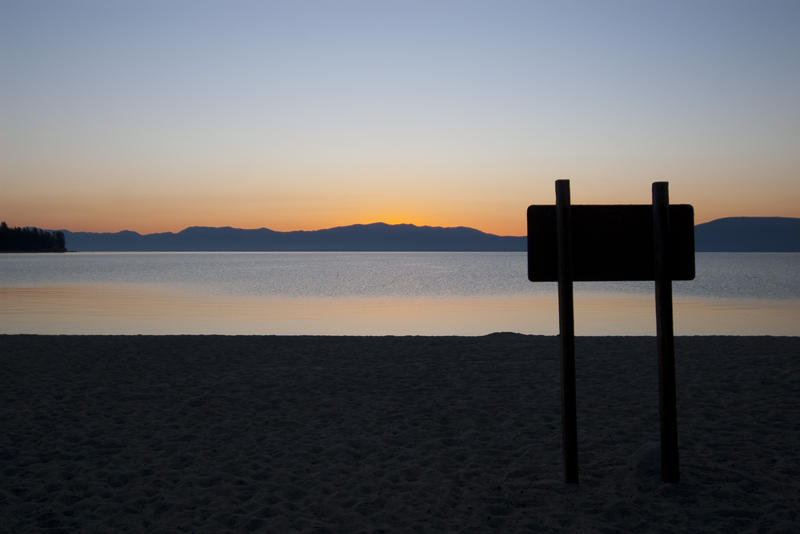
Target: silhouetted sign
x: 610, y: 243
x: 569, y: 243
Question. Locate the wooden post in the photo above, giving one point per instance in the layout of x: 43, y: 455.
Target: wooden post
x: 667, y: 404
x: 566, y: 323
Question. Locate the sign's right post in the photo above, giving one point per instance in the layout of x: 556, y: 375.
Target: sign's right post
x: 667, y: 404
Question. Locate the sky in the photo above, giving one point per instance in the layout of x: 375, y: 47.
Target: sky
x: 157, y: 115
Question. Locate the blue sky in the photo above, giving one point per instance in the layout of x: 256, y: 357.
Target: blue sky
x: 159, y: 115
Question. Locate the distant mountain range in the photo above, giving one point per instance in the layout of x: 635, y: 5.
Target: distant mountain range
x: 735, y: 234
x: 359, y: 237
x: 748, y: 234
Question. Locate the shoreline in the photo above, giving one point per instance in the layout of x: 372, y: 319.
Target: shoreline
x: 363, y: 433
x: 395, y: 336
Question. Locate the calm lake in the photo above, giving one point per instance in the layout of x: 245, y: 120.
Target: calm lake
x: 374, y: 293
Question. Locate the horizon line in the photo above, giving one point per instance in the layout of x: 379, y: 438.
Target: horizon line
x: 287, y: 231
x: 351, y: 225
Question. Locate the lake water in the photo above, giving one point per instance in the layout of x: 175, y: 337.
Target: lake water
x: 374, y: 293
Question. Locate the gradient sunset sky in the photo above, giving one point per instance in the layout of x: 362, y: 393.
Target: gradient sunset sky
x: 154, y: 116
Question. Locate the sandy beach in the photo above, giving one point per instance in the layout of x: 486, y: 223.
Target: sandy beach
x: 391, y: 434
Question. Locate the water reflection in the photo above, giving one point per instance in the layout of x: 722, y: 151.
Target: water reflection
x: 154, y: 309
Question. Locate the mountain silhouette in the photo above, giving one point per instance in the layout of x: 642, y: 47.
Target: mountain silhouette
x: 732, y: 234
x: 358, y: 237
x: 748, y: 234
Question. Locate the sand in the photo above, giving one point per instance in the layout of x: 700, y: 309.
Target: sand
x: 390, y: 434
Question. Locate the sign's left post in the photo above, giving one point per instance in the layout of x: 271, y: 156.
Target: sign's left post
x: 566, y: 324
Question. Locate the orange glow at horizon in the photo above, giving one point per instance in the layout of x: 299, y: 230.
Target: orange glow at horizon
x: 496, y: 207
x: 115, y: 220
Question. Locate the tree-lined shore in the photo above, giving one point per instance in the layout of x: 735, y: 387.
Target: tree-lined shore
x: 30, y: 239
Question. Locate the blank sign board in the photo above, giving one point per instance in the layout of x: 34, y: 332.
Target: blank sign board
x: 610, y: 243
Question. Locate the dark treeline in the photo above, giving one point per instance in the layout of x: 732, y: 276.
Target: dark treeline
x: 30, y: 240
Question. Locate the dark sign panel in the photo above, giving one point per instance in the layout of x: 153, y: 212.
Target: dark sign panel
x: 610, y: 243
